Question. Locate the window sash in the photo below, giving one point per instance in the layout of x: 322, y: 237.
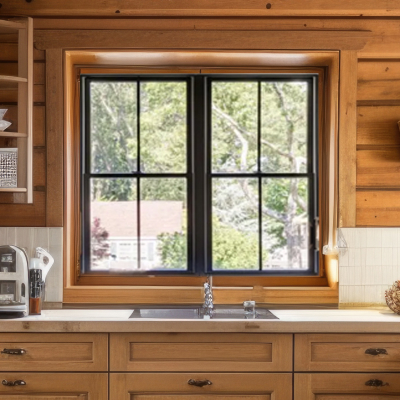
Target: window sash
x: 199, y: 176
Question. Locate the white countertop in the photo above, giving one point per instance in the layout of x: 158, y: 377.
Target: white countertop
x: 82, y: 320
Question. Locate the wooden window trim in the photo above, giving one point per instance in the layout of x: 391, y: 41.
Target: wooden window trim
x: 99, y: 288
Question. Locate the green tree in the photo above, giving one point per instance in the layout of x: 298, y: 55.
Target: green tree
x: 163, y: 129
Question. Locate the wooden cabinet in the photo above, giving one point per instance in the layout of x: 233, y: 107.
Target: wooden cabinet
x: 347, y: 352
x: 371, y: 386
x: 199, y: 366
x: 54, y: 352
x: 48, y: 386
x: 218, y: 352
x: 232, y: 386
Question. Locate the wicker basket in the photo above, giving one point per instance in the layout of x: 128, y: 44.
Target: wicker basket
x: 392, y: 297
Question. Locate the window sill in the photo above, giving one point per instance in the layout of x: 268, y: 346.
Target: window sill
x: 194, y: 295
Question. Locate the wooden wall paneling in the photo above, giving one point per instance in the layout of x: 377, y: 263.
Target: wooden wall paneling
x: 377, y: 126
x: 10, y: 95
x: 39, y: 171
x: 194, y: 295
x: 54, y: 138
x: 379, y: 168
x: 25, y: 214
x: 379, y: 80
x: 378, y: 208
x: 379, y: 27
x: 384, y: 40
x: 347, y: 138
x: 240, y: 40
x: 202, y: 8
x: 11, y: 68
x: 39, y: 126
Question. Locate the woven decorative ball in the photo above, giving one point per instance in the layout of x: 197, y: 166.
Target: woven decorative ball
x: 392, y: 297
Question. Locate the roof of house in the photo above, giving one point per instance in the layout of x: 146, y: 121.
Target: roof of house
x: 119, y: 218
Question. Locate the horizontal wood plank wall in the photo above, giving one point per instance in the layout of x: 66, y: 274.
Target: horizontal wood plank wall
x: 378, y: 89
x: 202, y: 8
x: 12, y: 214
x: 378, y: 142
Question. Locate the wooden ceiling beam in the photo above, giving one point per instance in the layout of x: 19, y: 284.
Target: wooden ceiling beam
x: 201, y: 8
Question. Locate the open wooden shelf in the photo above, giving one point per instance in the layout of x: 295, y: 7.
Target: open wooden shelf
x: 13, y: 134
x: 13, y: 190
x: 16, y: 90
x: 8, y: 78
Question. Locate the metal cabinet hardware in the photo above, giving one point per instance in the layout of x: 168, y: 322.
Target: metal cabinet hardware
x: 376, y: 383
x: 15, y: 352
x: 376, y: 352
x: 199, y: 383
x: 19, y: 382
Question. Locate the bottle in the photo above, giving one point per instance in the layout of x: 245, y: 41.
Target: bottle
x: 35, y: 291
x: 39, y: 267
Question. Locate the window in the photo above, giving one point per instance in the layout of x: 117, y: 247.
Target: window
x: 199, y: 174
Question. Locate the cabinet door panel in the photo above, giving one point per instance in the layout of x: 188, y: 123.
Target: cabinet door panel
x: 33, y: 396
x: 347, y: 352
x: 200, y: 397
x: 62, y: 386
x: 347, y: 386
x: 51, y: 352
x: 218, y: 352
x: 232, y: 386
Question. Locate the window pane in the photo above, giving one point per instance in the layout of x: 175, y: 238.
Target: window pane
x: 234, y: 126
x: 285, y: 223
x: 163, y: 126
x: 235, y: 224
x: 284, y: 126
x: 163, y: 223
x: 113, y: 127
x: 113, y: 215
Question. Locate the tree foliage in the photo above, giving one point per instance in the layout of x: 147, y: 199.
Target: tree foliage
x: 235, y: 202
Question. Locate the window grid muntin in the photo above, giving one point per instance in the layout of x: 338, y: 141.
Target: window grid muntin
x: 135, y: 175
x: 312, y: 166
x: 203, y: 247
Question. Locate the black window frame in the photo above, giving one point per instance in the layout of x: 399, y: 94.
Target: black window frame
x: 199, y: 173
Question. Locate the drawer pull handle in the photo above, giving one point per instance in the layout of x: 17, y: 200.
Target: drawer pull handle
x: 14, y: 352
x: 376, y: 352
x: 19, y: 382
x: 376, y: 383
x: 194, y: 382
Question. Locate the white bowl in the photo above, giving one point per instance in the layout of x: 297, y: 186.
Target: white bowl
x: 2, y: 112
x: 4, y: 125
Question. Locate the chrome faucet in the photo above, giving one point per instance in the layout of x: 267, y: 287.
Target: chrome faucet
x: 208, y: 305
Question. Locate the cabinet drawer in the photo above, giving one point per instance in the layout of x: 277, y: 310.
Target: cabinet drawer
x: 347, y: 386
x: 232, y: 386
x: 342, y: 352
x: 200, y: 352
x: 40, y: 386
x: 53, y: 352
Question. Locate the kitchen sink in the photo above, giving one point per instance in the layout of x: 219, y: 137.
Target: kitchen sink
x: 219, y: 312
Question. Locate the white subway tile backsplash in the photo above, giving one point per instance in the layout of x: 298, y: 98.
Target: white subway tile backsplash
x: 387, y: 256
x: 389, y: 237
x: 51, y: 239
x: 369, y: 266
x: 11, y: 236
x: 374, y: 256
x: 3, y: 235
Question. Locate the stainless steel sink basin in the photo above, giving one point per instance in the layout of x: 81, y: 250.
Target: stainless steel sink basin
x: 220, y: 312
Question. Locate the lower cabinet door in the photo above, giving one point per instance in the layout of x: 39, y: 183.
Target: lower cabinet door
x: 62, y: 386
x: 203, y: 386
x: 371, y: 386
